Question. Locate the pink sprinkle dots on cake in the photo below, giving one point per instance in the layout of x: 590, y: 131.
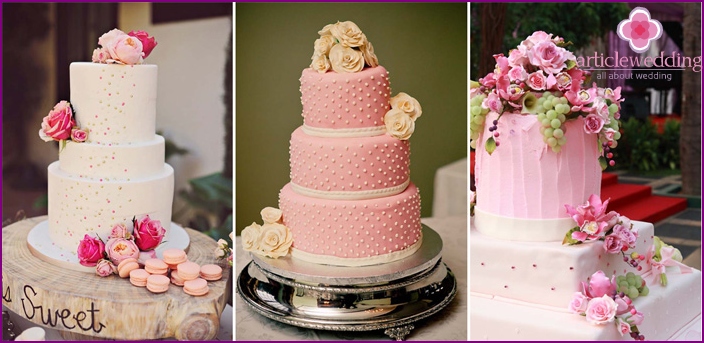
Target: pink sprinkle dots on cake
x: 96, y: 116
x: 109, y: 94
x: 113, y: 157
x: 125, y: 170
x: 100, y: 77
x: 133, y: 85
x: 123, y: 104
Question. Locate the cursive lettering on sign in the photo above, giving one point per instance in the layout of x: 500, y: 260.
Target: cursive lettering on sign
x: 68, y: 319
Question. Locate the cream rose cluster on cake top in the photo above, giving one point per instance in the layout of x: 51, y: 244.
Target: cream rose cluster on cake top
x: 350, y: 201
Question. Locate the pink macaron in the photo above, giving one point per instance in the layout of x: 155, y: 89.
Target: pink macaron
x: 176, y: 279
x: 158, y: 283
x: 211, y: 272
x: 126, y: 266
x: 196, y: 287
x: 174, y: 256
x: 188, y: 270
x: 138, y: 277
x: 156, y: 266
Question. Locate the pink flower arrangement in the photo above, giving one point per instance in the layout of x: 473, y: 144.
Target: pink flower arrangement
x: 60, y: 125
x: 122, y: 48
x: 601, y: 303
x: 148, y: 233
x: 541, y: 67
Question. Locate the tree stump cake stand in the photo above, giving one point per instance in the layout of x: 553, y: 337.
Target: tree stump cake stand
x: 86, y: 306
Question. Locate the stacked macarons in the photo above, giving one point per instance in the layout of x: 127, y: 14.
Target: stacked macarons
x: 175, y: 269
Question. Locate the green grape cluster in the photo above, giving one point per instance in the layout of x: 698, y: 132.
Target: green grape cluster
x: 552, y: 112
x: 477, y: 116
x: 632, y: 285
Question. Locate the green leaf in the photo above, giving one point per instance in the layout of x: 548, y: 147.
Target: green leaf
x: 602, y: 162
x: 663, y: 279
x: 571, y: 64
x: 568, y: 240
x: 62, y: 143
x: 490, y: 145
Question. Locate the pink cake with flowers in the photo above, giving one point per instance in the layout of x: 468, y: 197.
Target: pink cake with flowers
x: 548, y: 259
x: 110, y: 193
x: 350, y: 201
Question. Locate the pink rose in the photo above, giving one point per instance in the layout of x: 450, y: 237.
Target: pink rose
x: 609, y: 134
x: 623, y: 327
x: 128, y: 50
x: 536, y: 38
x: 601, y: 109
x: 493, y: 103
x: 148, y: 233
x: 90, y: 251
x: 100, y: 55
x: 119, y: 249
x: 636, y: 319
x: 613, y: 244
x: 58, y: 123
x: 625, y: 234
x: 105, y: 268
x: 601, y: 310
x: 78, y: 135
x: 579, y: 303
x: 109, y: 41
x: 600, y: 285
x: 593, y: 123
x: 517, y: 58
x: 537, y: 81
x: 549, y: 57
x: 148, y: 43
x: 119, y: 231
x: 517, y: 73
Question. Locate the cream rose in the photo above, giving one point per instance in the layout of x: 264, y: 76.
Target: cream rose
x: 271, y: 215
x: 399, y: 124
x: 369, y: 56
x: 324, y: 44
x: 276, y: 239
x: 326, y: 30
x: 346, y: 60
x: 320, y: 63
x: 407, y: 104
x: 348, y: 34
x: 250, y: 237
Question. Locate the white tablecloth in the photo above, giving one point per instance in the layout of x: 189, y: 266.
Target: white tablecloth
x: 449, y: 324
x: 450, y: 197
x: 21, y: 324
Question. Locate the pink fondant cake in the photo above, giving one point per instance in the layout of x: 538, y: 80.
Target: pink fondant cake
x: 350, y: 201
x: 548, y: 260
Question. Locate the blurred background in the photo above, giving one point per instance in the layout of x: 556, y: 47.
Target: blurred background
x: 194, y: 97
x: 657, y: 176
x: 423, y: 46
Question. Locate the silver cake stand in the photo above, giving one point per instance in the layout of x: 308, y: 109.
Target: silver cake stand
x: 389, y: 297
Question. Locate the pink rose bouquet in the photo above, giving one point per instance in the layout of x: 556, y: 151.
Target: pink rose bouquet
x: 90, y: 251
x: 148, y: 233
x: 119, y: 249
x: 148, y: 42
x: 58, y: 123
x: 122, y: 48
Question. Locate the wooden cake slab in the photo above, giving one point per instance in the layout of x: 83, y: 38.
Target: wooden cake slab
x: 81, y: 304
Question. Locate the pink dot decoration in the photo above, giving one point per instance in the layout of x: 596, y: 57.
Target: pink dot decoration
x: 535, y: 265
x: 123, y: 104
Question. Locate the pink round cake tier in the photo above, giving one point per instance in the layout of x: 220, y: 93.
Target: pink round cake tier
x: 352, y: 233
x: 352, y: 104
x: 523, y: 186
x: 349, y: 168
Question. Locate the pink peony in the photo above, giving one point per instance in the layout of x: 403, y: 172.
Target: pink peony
x: 119, y: 249
x: 601, y: 310
x: 109, y: 41
x: 105, y: 268
x: 613, y: 244
x: 100, y: 55
x: 493, y: 103
x: 78, y: 135
x: 119, y: 231
x: 517, y: 73
x: 58, y: 123
x: 148, y: 233
x: 549, y: 57
x: 600, y: 285
x: 537, y: 81
x: 579, y: 303
x: 90, y: 251
x: 623, y: 327
x: 593, y: 123
x: 148, y: 43
x: 128, y: 50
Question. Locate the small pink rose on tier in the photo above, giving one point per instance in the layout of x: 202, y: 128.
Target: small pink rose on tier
x: 613, y: 244
x: 148, y: 42
x: 105, y: 268
x: 601, y: 310
x: 493, y: 103
x: 58, y: 123
x: 100, y: 55
x: 90, y: 251
x: 399, y: 124
x: 407, y: 104
x: 108, y: 41
x: 276, y: 240
x: 593, y: 123
x: 272, y: 215
x: 148, y: 233
x: 78, y: 135
x: 579, y: 303
x: 623, y: 326
x: 346, y: 60
x: 119, y: 249
x: 128, y: 50
x: 537, y: 81
x: 120, y: 231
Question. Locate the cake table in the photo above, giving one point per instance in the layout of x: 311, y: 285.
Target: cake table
x: 85, y: 306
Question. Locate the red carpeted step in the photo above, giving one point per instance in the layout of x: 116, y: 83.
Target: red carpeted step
x: 623, y: 194
x: 608, y: 179
x: 653, y: 208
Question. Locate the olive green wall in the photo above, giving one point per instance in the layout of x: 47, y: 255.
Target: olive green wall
x: 423, y: 46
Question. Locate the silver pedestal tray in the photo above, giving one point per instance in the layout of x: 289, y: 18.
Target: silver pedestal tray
x: 388, y: 297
